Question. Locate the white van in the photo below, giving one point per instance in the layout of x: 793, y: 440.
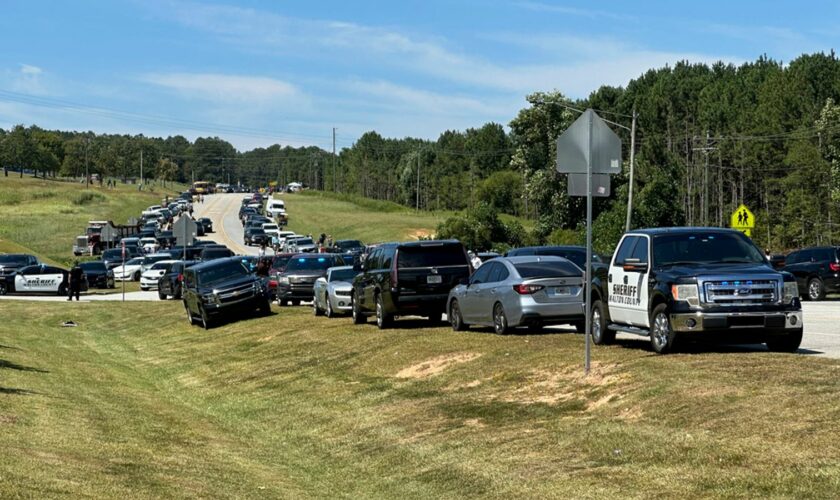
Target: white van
x: 274, y: 207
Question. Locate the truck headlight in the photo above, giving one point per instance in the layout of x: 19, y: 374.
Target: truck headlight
x: 283, y: 280
x: 791, y: 291
x: 686, y: 293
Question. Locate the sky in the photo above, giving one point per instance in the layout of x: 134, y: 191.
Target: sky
x: 258, y: 73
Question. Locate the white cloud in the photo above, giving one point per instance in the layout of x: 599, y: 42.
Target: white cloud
x: 28, y: 69
x: 227, y: 88
x: 573, y: 11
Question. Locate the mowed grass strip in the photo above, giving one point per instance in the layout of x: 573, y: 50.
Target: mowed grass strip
x: 44, y: 216
x: 346, y: 217
x: 294, y: 406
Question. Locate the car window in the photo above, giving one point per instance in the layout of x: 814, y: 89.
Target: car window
x: 388, y: 257
x: 640, y: 251
x: 30, y: 270
x: 495, y: 272
x: 431, y: 256
x: 575, y: 255
x: 793, y: 258
x: 51, y: 270
x: 827, y: 255
x: 15, y: 260
x: 373, y: 259
x: 550, y: 269
x: 481, y: 275
x: 625, y: 250
x: 342, y: 275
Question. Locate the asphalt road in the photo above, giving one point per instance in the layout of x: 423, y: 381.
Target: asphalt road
x: 223, y: 210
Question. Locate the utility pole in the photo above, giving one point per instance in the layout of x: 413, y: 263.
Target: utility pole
x: 704, y: 201
x: 335, y: 170
x: 418, y: 180
x: 87, y: 174
x: 632, y: 168
x: 141, y: 166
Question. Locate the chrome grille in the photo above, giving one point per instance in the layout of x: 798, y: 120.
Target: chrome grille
x: 741, y: 291
x: 237, y: 293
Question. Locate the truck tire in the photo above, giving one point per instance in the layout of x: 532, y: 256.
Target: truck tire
x: 136, y: 276
x: 3, y: 289
x: 358, y: 317
x: 816, y: 290
x: 785, y: 343
x: 315, y: 309
x: 161, y: 295
x: 383, y: 319
x: 265, y: 307
x: 662, y: 336
x: 189, y: 314
x: 601, y: 335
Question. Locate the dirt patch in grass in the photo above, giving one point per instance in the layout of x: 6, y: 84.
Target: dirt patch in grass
x: 418, y: 234
x: 604, y: 385
x: 434, y: 366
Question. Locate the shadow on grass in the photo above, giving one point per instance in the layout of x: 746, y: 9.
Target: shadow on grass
x: 704, y: 347
x: 18, y: 392
x: 218, y: 321
x: 15, y: 366
x: 10, y: 347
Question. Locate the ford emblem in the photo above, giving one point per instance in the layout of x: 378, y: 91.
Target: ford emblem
x: 744, y: 291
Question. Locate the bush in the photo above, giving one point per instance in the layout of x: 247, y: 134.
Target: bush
x: 87, y: 198
x: 480, y: 229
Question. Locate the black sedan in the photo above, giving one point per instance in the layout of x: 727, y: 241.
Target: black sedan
x: 207, y: 224
x: 97, y: 274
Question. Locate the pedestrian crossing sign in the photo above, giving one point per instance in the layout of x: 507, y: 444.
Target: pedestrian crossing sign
x: 743, y: 220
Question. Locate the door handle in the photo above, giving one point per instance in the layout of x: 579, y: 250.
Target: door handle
x: 609, y: 278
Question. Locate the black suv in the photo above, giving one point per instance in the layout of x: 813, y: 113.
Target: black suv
x: 297, y: 281
x: 212, y: 252
x: 10, y: 263
x: 171, y: 283
x: 400, y: 279
x: 97, y: 274
x: 817, y: 271
x: 222, y: 287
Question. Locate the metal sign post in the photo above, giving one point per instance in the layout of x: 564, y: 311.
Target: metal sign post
x: 122, y: 243
x: 589, y: 151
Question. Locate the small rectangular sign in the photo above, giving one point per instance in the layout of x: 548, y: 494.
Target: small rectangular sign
x: 600, y: 185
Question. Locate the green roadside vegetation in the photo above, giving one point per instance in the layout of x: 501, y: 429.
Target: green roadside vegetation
x: 42, y: 217
x: 291, y: 406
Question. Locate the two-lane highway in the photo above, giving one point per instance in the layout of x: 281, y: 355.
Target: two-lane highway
x: 223, y: 210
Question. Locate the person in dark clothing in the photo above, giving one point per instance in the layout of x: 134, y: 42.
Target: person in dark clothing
x: 75, y: 281
x: 262, y: 268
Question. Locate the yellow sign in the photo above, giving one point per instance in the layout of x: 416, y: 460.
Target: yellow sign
x: 743, y: 220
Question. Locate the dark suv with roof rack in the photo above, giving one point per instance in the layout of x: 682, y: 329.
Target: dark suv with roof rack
x: 408, y: 279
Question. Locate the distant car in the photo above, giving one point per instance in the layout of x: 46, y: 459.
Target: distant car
x: 113, y: 257
x: 817, y: 271
x: 207, y: 223
x: 149, y: 279
x: 97, y: 274
x: 256, y: 236
x: 131, y: 271
x: 171, y: 282
x: 10, y: 263
x: 508, y: 292
x: 192, y: 252
x: 150, y: 260
x: 222, y: 287
x: 299, y: 245
x: 351, y: 247
x: 215, y: 252
x: 39, y: 278
x: 281, y: 236
x: 332, y: 292
x: 408, y: 279
x: 150, y: 245
x: 297, y: 281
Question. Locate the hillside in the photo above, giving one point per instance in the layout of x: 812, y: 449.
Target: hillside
x: 43, y: 216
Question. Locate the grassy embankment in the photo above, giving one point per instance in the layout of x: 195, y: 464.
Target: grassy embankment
x: 290, y: 406
x: 354, y: 217
x: 42, y: 217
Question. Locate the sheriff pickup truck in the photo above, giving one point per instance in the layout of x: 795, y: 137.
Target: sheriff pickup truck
x: 672, y: 283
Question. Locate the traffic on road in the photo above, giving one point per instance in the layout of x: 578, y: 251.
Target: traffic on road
x: 669, y: 286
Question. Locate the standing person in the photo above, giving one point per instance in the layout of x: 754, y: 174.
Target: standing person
x: 261, y: 253
x: 191, y: 212
x: 75, y: 281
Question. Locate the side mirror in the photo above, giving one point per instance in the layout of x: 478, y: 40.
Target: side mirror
x: 635, y: 266
x: 464, y: 281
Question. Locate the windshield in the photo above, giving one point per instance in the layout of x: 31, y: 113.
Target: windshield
x: 112, y: 254
x: 92, y: 266
x: 280, y: 262
x: 349, y: 244
x: 13, y: 260
x: 151, y: 260
x: 343, y: 274
x: 530, y: 270
x: 221, y: 272
x: 160, y: 266
x: 304, y: 241
x: 134, y: 262
x: 704, y: 248
x: 309, y: 264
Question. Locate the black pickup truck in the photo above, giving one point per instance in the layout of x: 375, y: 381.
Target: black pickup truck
x: 670, y: 283
x: 222, y: 287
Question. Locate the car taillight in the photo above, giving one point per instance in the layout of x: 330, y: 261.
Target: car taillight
x: 527, y: 289
x: 395, y: 277
x: 834, y: 266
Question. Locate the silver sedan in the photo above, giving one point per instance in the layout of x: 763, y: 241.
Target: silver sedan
x: 528, y: 291
x: 332, y: 292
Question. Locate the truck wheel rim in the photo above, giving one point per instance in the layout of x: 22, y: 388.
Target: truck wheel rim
x: 814, y: 289
x: 661, y: 330
x: 596, y: 324
x: 379, y: 312
x: 329, y: 307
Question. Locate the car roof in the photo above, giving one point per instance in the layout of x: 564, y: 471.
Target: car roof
x: 522, y: 259
x: 657, y: 231
x: 215, y: 262
x: 340, y: 268
x: 419, y: 244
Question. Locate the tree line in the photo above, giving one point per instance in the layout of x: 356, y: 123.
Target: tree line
x: 709, y: 137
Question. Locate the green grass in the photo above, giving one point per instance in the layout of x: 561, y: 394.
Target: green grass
x: 349, y: 217
x: 139, y: 405
x: 43, y: 217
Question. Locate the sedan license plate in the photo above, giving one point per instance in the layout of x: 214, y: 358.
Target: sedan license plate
x: 434, y: 279
x: 562, y: 291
